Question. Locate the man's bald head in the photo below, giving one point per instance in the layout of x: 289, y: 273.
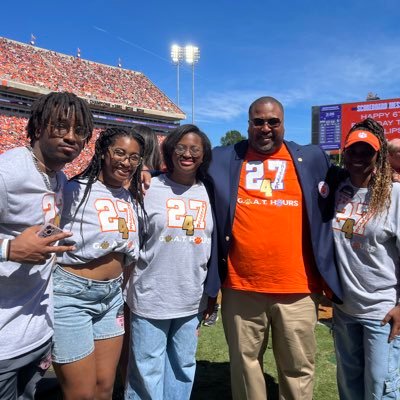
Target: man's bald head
x: 265, y: 100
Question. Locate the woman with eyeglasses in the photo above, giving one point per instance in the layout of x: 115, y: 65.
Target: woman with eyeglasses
x: 88, y: 304
x: 175, y: 281
x: 366, y: 228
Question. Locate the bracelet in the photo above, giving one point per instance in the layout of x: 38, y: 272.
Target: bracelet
x: 4, y: 250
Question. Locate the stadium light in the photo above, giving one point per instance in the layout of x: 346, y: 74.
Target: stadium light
x: 177, y: 57
x: 192, y: 55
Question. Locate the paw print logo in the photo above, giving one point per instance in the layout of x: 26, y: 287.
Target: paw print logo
x: 168, y: 238
x: 362, y: 135
x: 198, y: 240
x: 105, y: 245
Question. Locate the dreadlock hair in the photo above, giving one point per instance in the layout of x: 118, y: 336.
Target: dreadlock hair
x: 55, y: 106
x: 380, y: 184
x: 152, y: 152
x: 168, y: 148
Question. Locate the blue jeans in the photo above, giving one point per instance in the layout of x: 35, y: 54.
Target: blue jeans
x: 367, y: 365
x: 162, y: 358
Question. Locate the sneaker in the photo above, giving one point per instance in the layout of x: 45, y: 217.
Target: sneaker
x: 212, y: 319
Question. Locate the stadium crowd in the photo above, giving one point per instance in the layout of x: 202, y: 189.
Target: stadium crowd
x: 12, y: 132
x: 59, y: 72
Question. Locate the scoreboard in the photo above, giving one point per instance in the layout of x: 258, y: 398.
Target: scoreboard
x: 331, y: 123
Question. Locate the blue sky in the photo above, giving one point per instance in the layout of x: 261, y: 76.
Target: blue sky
x: 303, y: 52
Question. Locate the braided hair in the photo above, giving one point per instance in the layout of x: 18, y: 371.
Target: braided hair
x: 380, y: 184
x: 52, y: 107
x: 106, y: 139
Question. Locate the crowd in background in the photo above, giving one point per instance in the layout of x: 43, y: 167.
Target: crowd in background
x: 55, y: 71
x: 12, y: 132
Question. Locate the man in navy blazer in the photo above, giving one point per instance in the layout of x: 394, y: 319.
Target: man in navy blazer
x: 261, y: 291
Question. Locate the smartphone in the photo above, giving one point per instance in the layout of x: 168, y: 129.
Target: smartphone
x: 49, y: 230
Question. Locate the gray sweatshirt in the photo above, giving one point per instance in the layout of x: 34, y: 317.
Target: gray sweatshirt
x: 168, y: 281
x: 368, y: 251
x: 26, y: 291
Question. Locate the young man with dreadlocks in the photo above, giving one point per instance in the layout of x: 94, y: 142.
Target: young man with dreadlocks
x: 88, y: 301
x: 30, y: 196
x: 366, y: 229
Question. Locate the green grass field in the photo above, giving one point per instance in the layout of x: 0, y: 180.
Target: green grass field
x: 212, y: 376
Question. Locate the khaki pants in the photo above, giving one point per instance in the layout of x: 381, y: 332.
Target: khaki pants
x: 247, y: 318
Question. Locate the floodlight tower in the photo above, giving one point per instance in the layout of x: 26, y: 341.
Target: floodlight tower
x: 192, y: 56
x: 177, y: 57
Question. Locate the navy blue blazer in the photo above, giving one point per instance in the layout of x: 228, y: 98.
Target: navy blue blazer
x: 212, y: 283
x: 312, y: 166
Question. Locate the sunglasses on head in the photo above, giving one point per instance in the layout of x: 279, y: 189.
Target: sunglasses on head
x: 271, y: 122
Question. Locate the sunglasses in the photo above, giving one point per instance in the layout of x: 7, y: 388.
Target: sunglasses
x: 271, y: 122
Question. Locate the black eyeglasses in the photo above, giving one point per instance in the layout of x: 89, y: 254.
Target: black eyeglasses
x: 194, y: 151
x: 60, y: 129
x: 121, y: 156
x: 271, y: 122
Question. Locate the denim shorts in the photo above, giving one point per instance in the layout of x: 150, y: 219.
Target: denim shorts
x: 85, y: 310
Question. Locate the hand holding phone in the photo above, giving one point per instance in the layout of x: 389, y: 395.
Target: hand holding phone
x: 49, y: 230
x: 37, y: 243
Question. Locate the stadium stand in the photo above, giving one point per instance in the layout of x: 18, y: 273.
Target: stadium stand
x: 117, y: 97
x: 58, y: 72
x: 11, y: 132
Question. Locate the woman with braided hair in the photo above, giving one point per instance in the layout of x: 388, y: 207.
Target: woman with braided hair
x: 366, y: 230
x: 88, y: 304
